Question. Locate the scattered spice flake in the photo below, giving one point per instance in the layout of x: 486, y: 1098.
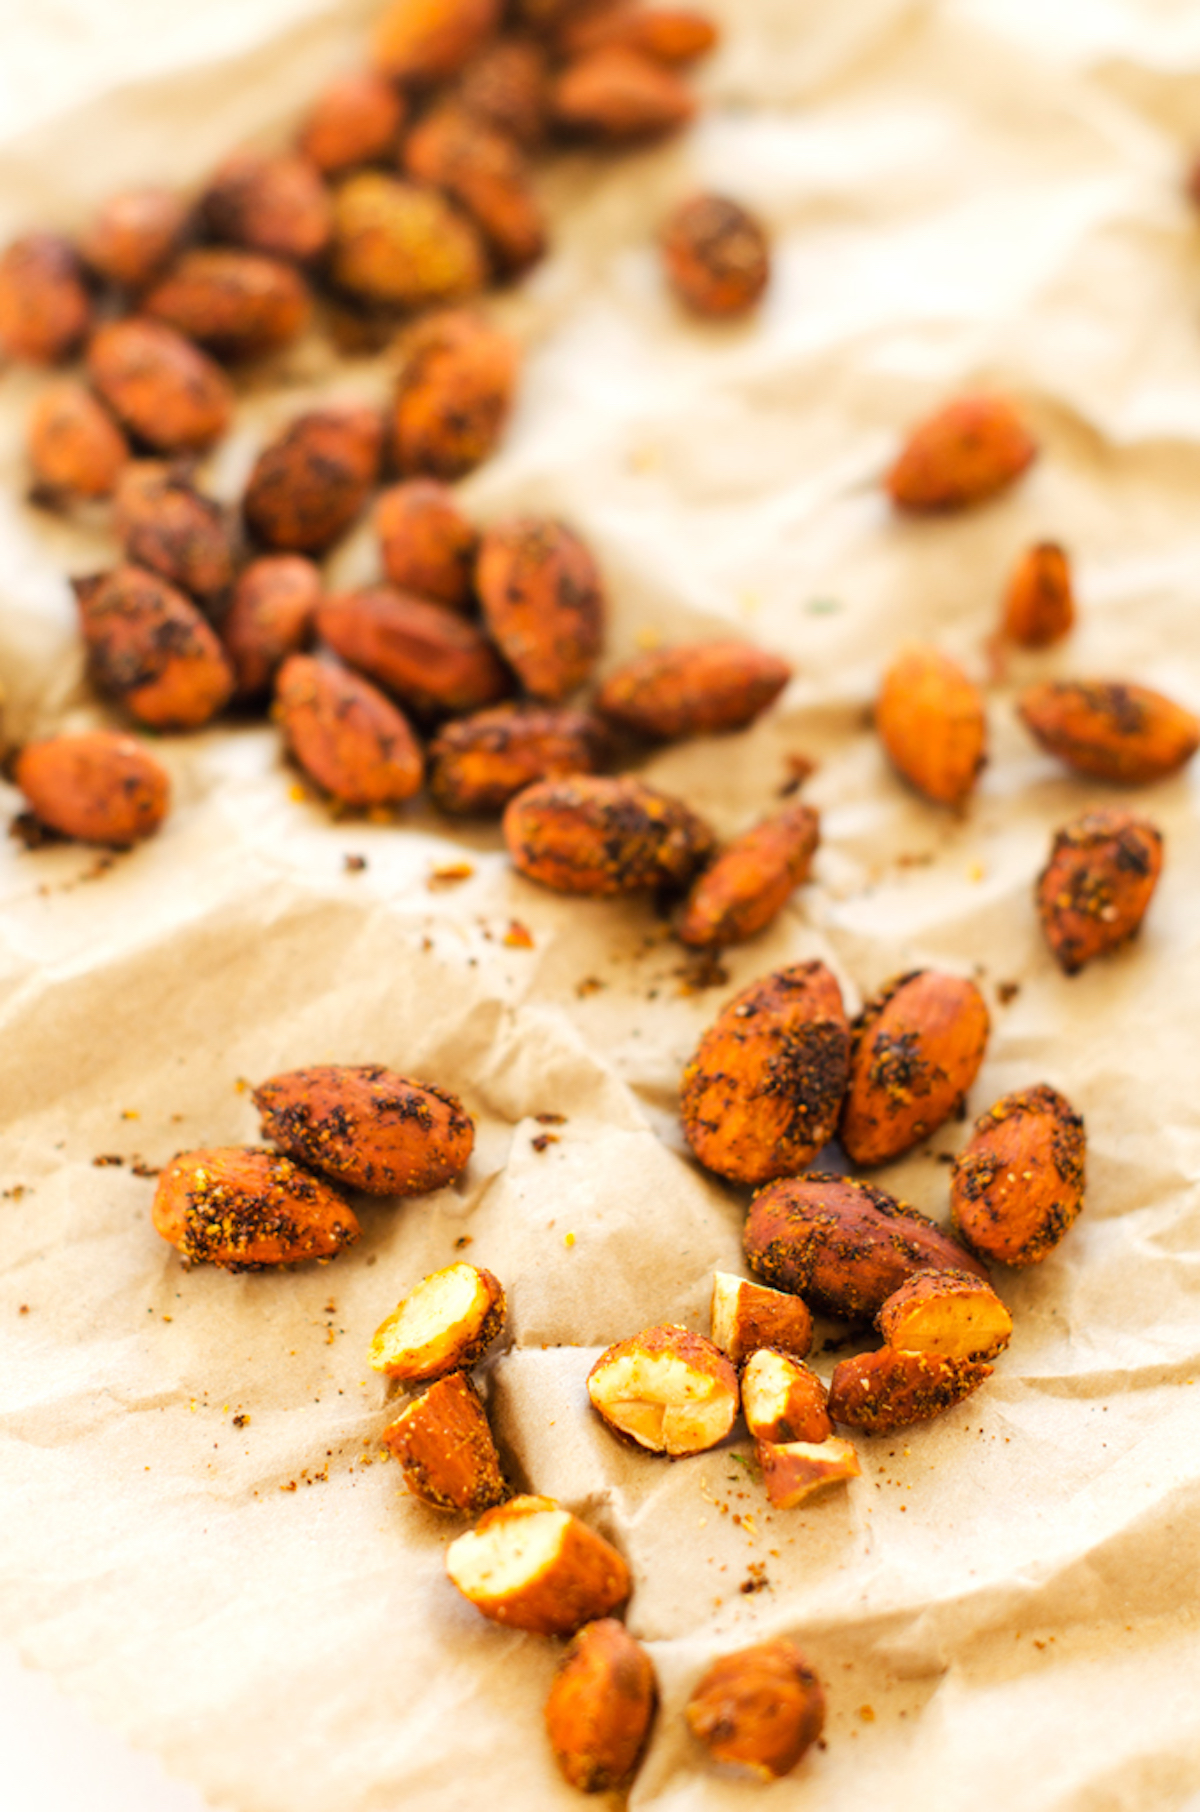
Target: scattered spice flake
x: 568, y: 1239
x: 290, y: 1486
x: 449, y: 874
x: 354, y: 865
x: 31, y: 833
x: 551, y: 1119
x: 543, y: 1139
x: 463, y: 1241
x: 591, y: 984
x: 106, y: 1159
x: 299, y: 793
x: 240, y: 1087
x: 130, y: 1113
x: 15, y: 1193
x: 1007, y: 991
x: 141, y: 1169
x: 24, y: 1309
x: 867, y: 1713
x: 799, y: 769
x: 518, y: 936
x: 241, y: 1421
x: 704, y: 970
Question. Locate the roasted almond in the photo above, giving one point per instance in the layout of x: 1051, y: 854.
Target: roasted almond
x: 595, y: 835
x: 932, y: 722
x: 98, y: 787
x: 751, y: 881
x: 445, y: 1324
x: 619, y: 96
x: 674, y: 35
x: 75, y: 447
x: 427, y: 545
x: 240, y: 305
x: 1039, y: 604
x: 844, y: 1246
x: 272, y: 615
x: 454, y: 393
x: 348, y: 737
x: 478, y: 763
x: 425, y: 41
x: 1094, y: 892
x: 916, y: 1049
x: 667, y: 1389
x: 600, y: 1707
x: 355, y: 120
x: 44, y: 308
x: 795, y: 1471
x: 402, y: 245
x: 533, y: 1566
x: 445, y: 1448
x: 946, y: 1312
x: 1128, y: 735
x: 761, y: 1095
x: 717, y: 256
x: 368, y: 1127
x: 1017, y: 1186
x: 431, y: 658
x: 487, y: 174
x: 964, y: 453
x: 311, y: 483
x: 244, y: 1209
x: 148, y: 646
x: 745, y: 1317
x: 273, y: 202
x: 759, y: 1710
x: 160, y: 386
x: 543, y: 601
x: 698, y: 689
x: 134, y: 235
x: 877, y: 1392
x: 783, y: 1400
x: 166, y: 525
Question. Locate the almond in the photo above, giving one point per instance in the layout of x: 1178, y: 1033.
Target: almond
x: 1125, y: 734
x: 619, y: 96
x: 273, y: 202
x: 134, y: 235
x: 487, y: 174
x: 745, y: 1317
x: 1017, y: 1186
x: 445, y: 1448
x: 717, y: 256
x: 240, y: 305
x: 963, y: 454
x: 1094, y: 892
x: 167, y: 526
x: 758, y: 1710
x: 368, y: 1127
x: 160, y: 386
x: 916, y: 1050
x: 761, y: 1095
x: 244, y: 1209
x: 751, y: 881
x: 932, y: 722
x: 445, y: 1324
x: 877, y: 1392
x: 673, y: 35
x: 355, y: 120
x: 798, y: 1470
x: 697, y: 689
x: 44, y: 308
x: 593, y: 835
x: 667, y: 1389
x: 431, y: 658
x: 543, y: 601
x: 478, y: 763
x: 454, y: 393
x: 348, y: 737
x: 945, y: 1312
x: 533, y: 1566
x: 149, y: 646
x: 1039, y: 604
x: 402, y: 245
x: 783, y: 1400
x: 272, y: 615
x: 427, y: 545
x: 600, y: 1707
x: 75, y: 447
x: 98, y: 787
x: 424, y: 41
x: 310, y: 484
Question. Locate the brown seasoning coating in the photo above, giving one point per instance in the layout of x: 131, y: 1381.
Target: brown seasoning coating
x: 543, y: 601
x: 164, y: 389
x: 1017, y: 1186
x: 432, y: 659
x: 1125, y: 734
x: 346, y: 736
x: 368, y: 1127
x: 44, y: 308
x: 272, y: 202
x: 916, y: 1049
x: 1094, y: 893
x: 697, y: 689
x: 478, y: 763
x: 751, y: 881
x: 239, y: 305
x: 76, y: 450
x: 717, y: 256
x: 600, y: 1707
x: 244, y: 1209
x: 759, y: 1710
x: 932, y: 721
x: 168, y: 527
x: 311, y: 483
x: 1039, y: 603
x: 593, y: 835
x: 961, y: 455
x: 426, y: 543
x: 148, y: 646
x: 453, y: 395
x: 877, y: 1392
x: 98, y: 787
x: 444, y: 1445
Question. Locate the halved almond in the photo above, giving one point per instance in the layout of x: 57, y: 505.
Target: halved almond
x: 443, y: 1325
x: 668, y: 1389
x: 533, y: 1566
x: 946, y: 1312
x: 783, y: 1401
x: 798, y: 1470
x: 747, y: 1316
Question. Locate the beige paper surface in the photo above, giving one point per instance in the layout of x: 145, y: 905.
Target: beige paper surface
x: 1004, y: 1606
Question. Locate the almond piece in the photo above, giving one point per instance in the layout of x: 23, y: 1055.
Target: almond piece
x: 782, y: 1400
x: 745, y: 1317
x: 758, y: 1710
x: 431, y: 658
x: 698, y: 689
x: 963, y: 454
x: 426, y: 543
x: 346, y: 736
x: 244, y: 1208
x: 932, y: 722
x: 751, y: 881
x: 166, y: 525
x: 478, y: 763
x: 487, y: 174
x: 668, y: 1389
x: 761, y: 1095
x: 543, y: 601
x: 1017, y: 1186
x: 368, y: 1127
x: 445, y: 1448
x: 454, y: 393
x: 795, y: 1471
x: 619, y: 96
x: 843, y: 1245
x: 1128, y: 735
x: 593, y: 835
x: 44, y: 308
x: 1039, y: 605
x: 600, y: 1707
x: 444, y: 1324
x: 310, y: 483
x: 717, y: 257
x: 916, y: 1048
x: 425, y: 41
x: 1095, y: 890
x: 272, y: 615
x: 160, y: 386
x: 149, y: 646
x: 75, y: 447
x: 533, y: 1566
x: 878, y: 1392
x: 273, y: 202
x: 98, y: 787
x: 946, y: 1312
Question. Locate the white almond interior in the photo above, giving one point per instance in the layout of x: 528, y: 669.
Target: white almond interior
x: 727, y: 1289
x: 493, y: 1563
x: 663, y: 1402
x: 443, y: 1311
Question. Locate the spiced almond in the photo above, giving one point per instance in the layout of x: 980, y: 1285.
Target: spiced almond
x: 134, y: 235
x: 245, y: 1209
x: 444, y: 1445
x: 160, y: 386
x: 946, y: 1312
x: 45, y: 310
x: 795, y: 1471
x: 916, y: 1049
x: 758, y: 1711
x: 600, y: 1707
x: 432, y: 659
x: 590, y: 834
x: 783, y: 1400
x: 747, y: 1316
x: 426, y: 543
x: 171, y: 528
x: 531, y: 1565
x: 619, y: 96
x: 445, y: 1324
x: 418, y: 42
x: 878, y: 1392
x: 308, y: 485
x: 454, y: 393
x: 76, y: 449
x: 368, y: 1127
x: 238, y: 304
x: 1097, y: 886
x: 962, y: 454
x: 487, y: 174
x: 667, y: 1389
x: 99, y: 787
x: 1017, y: 1185
x: 271, y: 202
x: 695, y: 689
x: 1039, y: 602
x: 355, y: 743
x: 355, y: 120
x: 272, y: 615
x: 1110, y: 730
x: 478, y: 763
x: 401, y: 245
x: 717, y: 256
x: 148, y: 646
x: 543, y: 601
x: 932, y: 722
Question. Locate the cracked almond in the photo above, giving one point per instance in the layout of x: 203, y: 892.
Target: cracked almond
x: 368, y: 1127
x: 1097, y: 886
x: 1017, y: 1185
x: 931, y: 720
x: 543, y: 601
x: 782, y: 1400
x: 795, y: 1471
x: 945, y: 1312
x: 244, y: 1208
x: 667, y: 1389
x: 445, y: 1324
x: 445, y: 1448
x: 747, y: 1316
x: 758, y: 1710
x: 916, y: 1049
x: 600, y: 1707
x: 877, y: 1392
x: 533, y: 1566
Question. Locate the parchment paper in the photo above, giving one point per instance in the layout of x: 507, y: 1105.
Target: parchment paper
x: 1003, y: 1608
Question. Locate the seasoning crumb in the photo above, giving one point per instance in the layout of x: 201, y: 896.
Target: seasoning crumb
x: 141, y: 1169
x: 107, y: 1159
x: 551, y: 1119
x: 449, y: 874
x: 24, y: 1309
x: 463, y: 1241
x: 591, y: 984
x: 354, y: 865
x: 1007, y: 991
x: 799, y: 769
x: 568, y: 1239
x: 518, y: 936
x: 130, y: 1113
x: 543, y: 1140
x: 867, y: 1713
x: 706, y: 970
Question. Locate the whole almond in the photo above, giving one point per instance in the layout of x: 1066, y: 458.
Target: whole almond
x: 240, y: 305
x: 1039, y: 604
x: 963, y: 454
x: 243, y: 1209
x: 402, y: 245
x: 543, y: 601
x: 487, y: 174
x: 1095, y: 890
x: 160, y: 386
x: 432, y: 659
x: 347, y: 736
x: 877, y: 1392
x: 717, y: 256
x: 1017, y: 1186
x: 932, y: 722
x: 368, y: 1127
x: 1111, y: 731
x: 133, y: 235
x: 99, y: 787
x: 478, y: 763
x: 426, y: 543
x: 272, y: 202
x: 44, y: 308
x: 673, y: 35
x: 169, y: 527
x: 355, y: 120
x: 619, y: 96
x: 600, y: 1707
x: 310, y: 484
x: 761, y: 1095
x: 148, y: 646
x: 916, y: 1050
x: 454, y: 393
x: 424, y: 41
x: 75, y: 447
x: 272, y: 615
x: 759, y: 1710
x: 698, y: 689
x: 751, y: 881
x: 593, y: 835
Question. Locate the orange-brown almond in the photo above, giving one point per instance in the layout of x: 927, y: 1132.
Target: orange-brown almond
x: 946, y: 1312
x: 667, y: 1389
x: 402, y: 245
x: 166, y: 525
x: 98, y: 787
x: 160, y: 386
x: 311, y: 483
x: 531, y: 1565
x: 368, y: 1127
x: 917, y: 1047
x: 1039, y: 603
x: 590, y: 834
x: 795, y: 1471
x: 746, y: 1317
x: 240, y: 305
x: 426, y: 41
x: 717, y: 256
x: 355, y: 120
x: 478, y: 763
x: 426, y: 543
x: 751, y: 881
x: 620, y: 96
x: 600, y: 1707
x: 453, y: 395
x: 543, y: 601
x: 783, y: 1400
x: 1095, y: 890
x: 877, y: 1392
x: 1017, y: 1186
x: 698, y: 689
x: 273, y: 202
x: 44, y: 307
x: 346, y: 736
x: 932, y: 722
x: 963, y: 454
x: 844, y: 1246
x: 134, y: 235
x: 507, y: 86
x: 445, y: 1324
x: 487, y: 174
x: 761, y: 1095
x: 1108, y: 730
x: 432, y: 659
x: 76, y: 450
x: 148, y: 646
x: 759, y: 1710
x: 444, y: 1445
x: 243, y: 1209
x: 272, y: 615
x: 675, y: 35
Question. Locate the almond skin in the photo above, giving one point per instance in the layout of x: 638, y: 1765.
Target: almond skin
x: 758, y: 1710
x: 454, y: 394
x: 160, y: 386
x: 543, y: 601
x: 240, y: 305
x: 245, y: 1209
x: 347, y: 736
x: 917, y: 1047
x: 600, y: 1707
x: 1017, y: 1186
x: 426, y: 543
x: 310, y: 484
x: 272, y: 615
x: 699, y: 689
x: 478, y: 763
x: 1093, y: 894
x: 557, y: 1573
x: 594, y: 835
x: 717, y: 257
x: 667, y: 1390
x: 368, y: 1127
x: 487, y: 174
x: 963, y: 454
x: 444, y: 1445
x: 618, y: 96
x: 844, y: 1246
x: 148, y: 646
x: 751, y: 881
x: 945, y: 1312
x: 167, y: 526
x: 932, y: 722
x: 98, y: 787
x: 761, y: 1095
x: 355, y: 120
x: 402, y: 245
x: 419, y: 42
x: 44, y: 307
x: 134, y: 235
x: 75, y: 447
x: 432, y: 659
x: 1039, y: 604
x: 269, y: 202
x: 1128, y: 735
x: 877, y: 1392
